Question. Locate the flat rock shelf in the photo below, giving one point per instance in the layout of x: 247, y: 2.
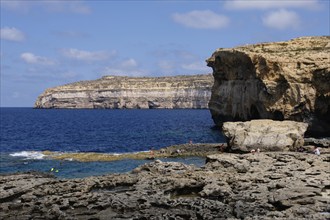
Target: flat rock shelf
x: 265, y: 185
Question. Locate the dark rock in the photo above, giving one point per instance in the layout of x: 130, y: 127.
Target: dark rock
x: 321, y: 142
x: 228, y: 186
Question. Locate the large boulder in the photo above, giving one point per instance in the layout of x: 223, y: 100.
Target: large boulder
x: 280, y: 81
x: 267, y: 135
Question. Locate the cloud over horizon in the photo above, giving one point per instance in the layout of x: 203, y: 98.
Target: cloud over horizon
x: 282, y: 19
x: 127, y: 67
x: 34, y: 59
x: 206, y: 19
x: 198, y: 66
x: 12, y: 34
x: 88, y: 56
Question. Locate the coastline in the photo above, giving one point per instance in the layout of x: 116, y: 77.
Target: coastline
x: 267, y: 185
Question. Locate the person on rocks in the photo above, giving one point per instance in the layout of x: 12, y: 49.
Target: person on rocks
x: 222, y: 147
x: 301, y: 149
x: 151, y: 154
x: 316, y: 151
x: 253, y: 151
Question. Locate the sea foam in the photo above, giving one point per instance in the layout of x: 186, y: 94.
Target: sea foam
x: 29, y: 155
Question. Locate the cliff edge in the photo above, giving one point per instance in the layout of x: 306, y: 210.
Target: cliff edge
x: 282, y: 81
x: 118, y: 92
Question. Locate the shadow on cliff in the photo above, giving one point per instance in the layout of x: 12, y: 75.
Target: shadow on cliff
x: 320, y: 124
x: 249, y: 87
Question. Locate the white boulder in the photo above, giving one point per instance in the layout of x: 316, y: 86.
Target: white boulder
x: 267, y: 135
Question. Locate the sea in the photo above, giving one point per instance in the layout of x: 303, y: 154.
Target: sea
x: 25, y: 133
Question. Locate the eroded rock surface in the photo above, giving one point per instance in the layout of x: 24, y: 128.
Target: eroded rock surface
x: 265, y: 134
x: 281, y: 80
x: 117, y: 92
x: 230, y: 186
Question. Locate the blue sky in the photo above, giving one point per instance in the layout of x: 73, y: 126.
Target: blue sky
x: 50, y: 43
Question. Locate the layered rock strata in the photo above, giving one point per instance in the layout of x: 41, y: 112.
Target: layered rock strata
x: 272, y: 185
x: 281, y: 81
x: 117, y: 92
x: 265, y: 135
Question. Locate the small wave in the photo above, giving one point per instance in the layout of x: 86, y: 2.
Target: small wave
x: 29, y: 155
x: 69, y: 159
x: 127, y: 153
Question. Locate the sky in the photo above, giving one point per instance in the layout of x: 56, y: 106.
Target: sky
x: 50, y: 43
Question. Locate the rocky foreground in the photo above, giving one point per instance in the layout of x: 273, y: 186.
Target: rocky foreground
x: 273, y: 185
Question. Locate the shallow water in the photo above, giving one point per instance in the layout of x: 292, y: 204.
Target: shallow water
x: 25, y: 132
x: 75, y: 169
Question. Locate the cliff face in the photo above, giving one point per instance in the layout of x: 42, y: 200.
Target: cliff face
x: 281, y: 81
x: 117, y: 92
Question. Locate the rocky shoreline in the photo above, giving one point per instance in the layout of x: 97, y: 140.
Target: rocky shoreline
x: 267, y: 185
x: 277, y: 177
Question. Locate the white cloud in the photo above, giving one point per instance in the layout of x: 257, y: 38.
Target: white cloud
x: 201, y: 19
x: 84, y: 55
x: 130, y: 63
x: 33, y: 59
x: 129, y: 67
x: 271, y: 4
x: 173, y: 53
x: 281, y: 19
x: 11, y: 34
x: 123, y: 72
x: 196, y: 66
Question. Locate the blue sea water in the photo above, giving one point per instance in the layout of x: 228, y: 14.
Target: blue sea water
x: 26, y: 130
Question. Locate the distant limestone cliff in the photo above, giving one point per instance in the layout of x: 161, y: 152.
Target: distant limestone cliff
x: 120, y: 92
x: 282, y: 80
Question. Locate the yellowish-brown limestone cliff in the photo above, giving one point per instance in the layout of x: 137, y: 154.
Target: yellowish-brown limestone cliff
x: 118, y: 92
x: 282, y: 80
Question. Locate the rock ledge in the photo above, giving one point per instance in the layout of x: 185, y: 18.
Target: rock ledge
x: 274, y: 185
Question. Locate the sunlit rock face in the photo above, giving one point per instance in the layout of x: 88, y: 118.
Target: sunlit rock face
x: 281, y: 81
x: 265, y: 135
x: 118, y: 92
